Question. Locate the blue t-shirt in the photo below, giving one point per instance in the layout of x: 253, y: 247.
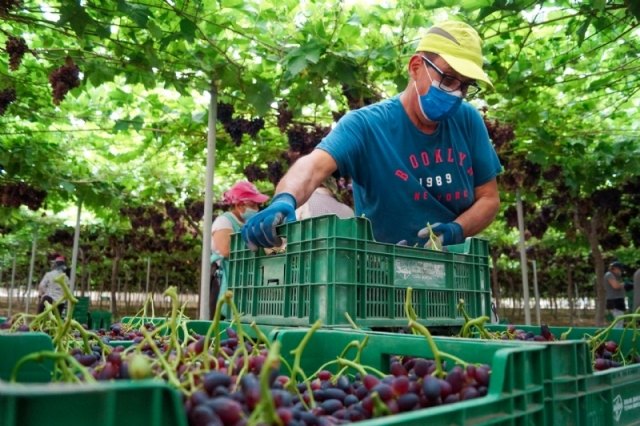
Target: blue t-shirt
x: 403, y: 178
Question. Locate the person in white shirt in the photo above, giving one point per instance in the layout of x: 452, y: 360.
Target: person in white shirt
x: 49, y: 290
x: 323, y: 201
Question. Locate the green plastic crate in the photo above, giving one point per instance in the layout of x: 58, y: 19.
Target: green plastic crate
x: 624, y: 336
x: 574, y: 393
x: 100, y: 319
x: 14, y: 346
x: 144, y: 403
x: 515, y: 395
x: 610, y: 397
x: 81, y: 310
x: 333, y: 266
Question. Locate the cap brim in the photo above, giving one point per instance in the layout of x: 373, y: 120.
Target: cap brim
x: 258, y: 198
x: 467, y: 68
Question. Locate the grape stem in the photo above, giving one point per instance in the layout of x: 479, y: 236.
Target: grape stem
x: 380, y: 409
x: 297, y: 355
x: 213, y: 330
x: 478, y: 323
x: 362, y: 369
x: 432, y: 344
x: 171, y: 377
x: 172, y: 293
x: 241, y: 335
x: 267, y: 403
x: 351, y: 321
x: 262, y: 338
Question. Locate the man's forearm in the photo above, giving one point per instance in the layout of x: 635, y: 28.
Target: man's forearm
x: 306, y: 175
x: 479, y: 215
x: 483, y: 211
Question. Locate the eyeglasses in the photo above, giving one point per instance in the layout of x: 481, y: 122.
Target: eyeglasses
x: 449, y: 83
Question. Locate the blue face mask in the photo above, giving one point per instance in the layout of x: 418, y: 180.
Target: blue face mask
x: 436, y: 104
x: 248, y: 213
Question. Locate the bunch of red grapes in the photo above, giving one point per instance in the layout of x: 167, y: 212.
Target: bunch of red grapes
x: 236, y: 127
x: 518, y: 334
x: 16, y: 48
x: 7, y: 5
x: 607, y: 355
x: 64, y: 79
x: 7, y: 96
x: 13, y: 194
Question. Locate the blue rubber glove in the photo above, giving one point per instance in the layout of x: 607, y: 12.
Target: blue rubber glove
x: 260, y: 230
x: 449, y: 233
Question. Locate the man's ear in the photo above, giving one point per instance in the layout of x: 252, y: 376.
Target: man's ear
x: 415, y: 62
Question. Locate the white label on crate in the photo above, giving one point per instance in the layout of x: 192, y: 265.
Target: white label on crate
x: 419, y: 273
x: 620, y: 405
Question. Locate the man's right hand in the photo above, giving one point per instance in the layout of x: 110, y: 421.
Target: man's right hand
x: 260, y: 230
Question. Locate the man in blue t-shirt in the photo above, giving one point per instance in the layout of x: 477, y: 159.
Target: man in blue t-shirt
x: 422, y: 157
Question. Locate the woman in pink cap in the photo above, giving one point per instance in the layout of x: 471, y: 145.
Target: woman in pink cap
x: 244, y: 199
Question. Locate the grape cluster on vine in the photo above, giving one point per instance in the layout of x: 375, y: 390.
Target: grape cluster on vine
x: 253, y: 126
x: 160, y: 228
x: 61, y: 236
x: 225, y: 112
x: 302, y: 139
x: 236, y: 127
x: 7, y: 5
x: 357, y: 97
x: 194, y: 208
x: 7, y: 96
x: 502, y: 134
x: 607, y: 199
x: 284, y: 117
x: 16, y: 48
x: 553, y: 173
x: 172, y: 211
x: 64, y: 79
x: 254, y: 172
x: 275, y: 171
x: 14, y: 194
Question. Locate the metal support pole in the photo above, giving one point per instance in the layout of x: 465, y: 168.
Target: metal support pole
x: 31, y: 267
x: 148, y: 276
x: 536, y: 293
x: 13, y: 281
x: 523, y: 261
x: 205, y: 294
x: 74, y: 253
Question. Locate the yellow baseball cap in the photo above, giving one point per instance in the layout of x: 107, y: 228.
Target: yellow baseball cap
x: 458, y: 44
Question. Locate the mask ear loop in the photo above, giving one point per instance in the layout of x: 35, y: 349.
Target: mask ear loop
x: 415, y: 86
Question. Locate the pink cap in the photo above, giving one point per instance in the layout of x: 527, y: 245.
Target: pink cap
x: 59, y: 259
x: 244, y: 191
